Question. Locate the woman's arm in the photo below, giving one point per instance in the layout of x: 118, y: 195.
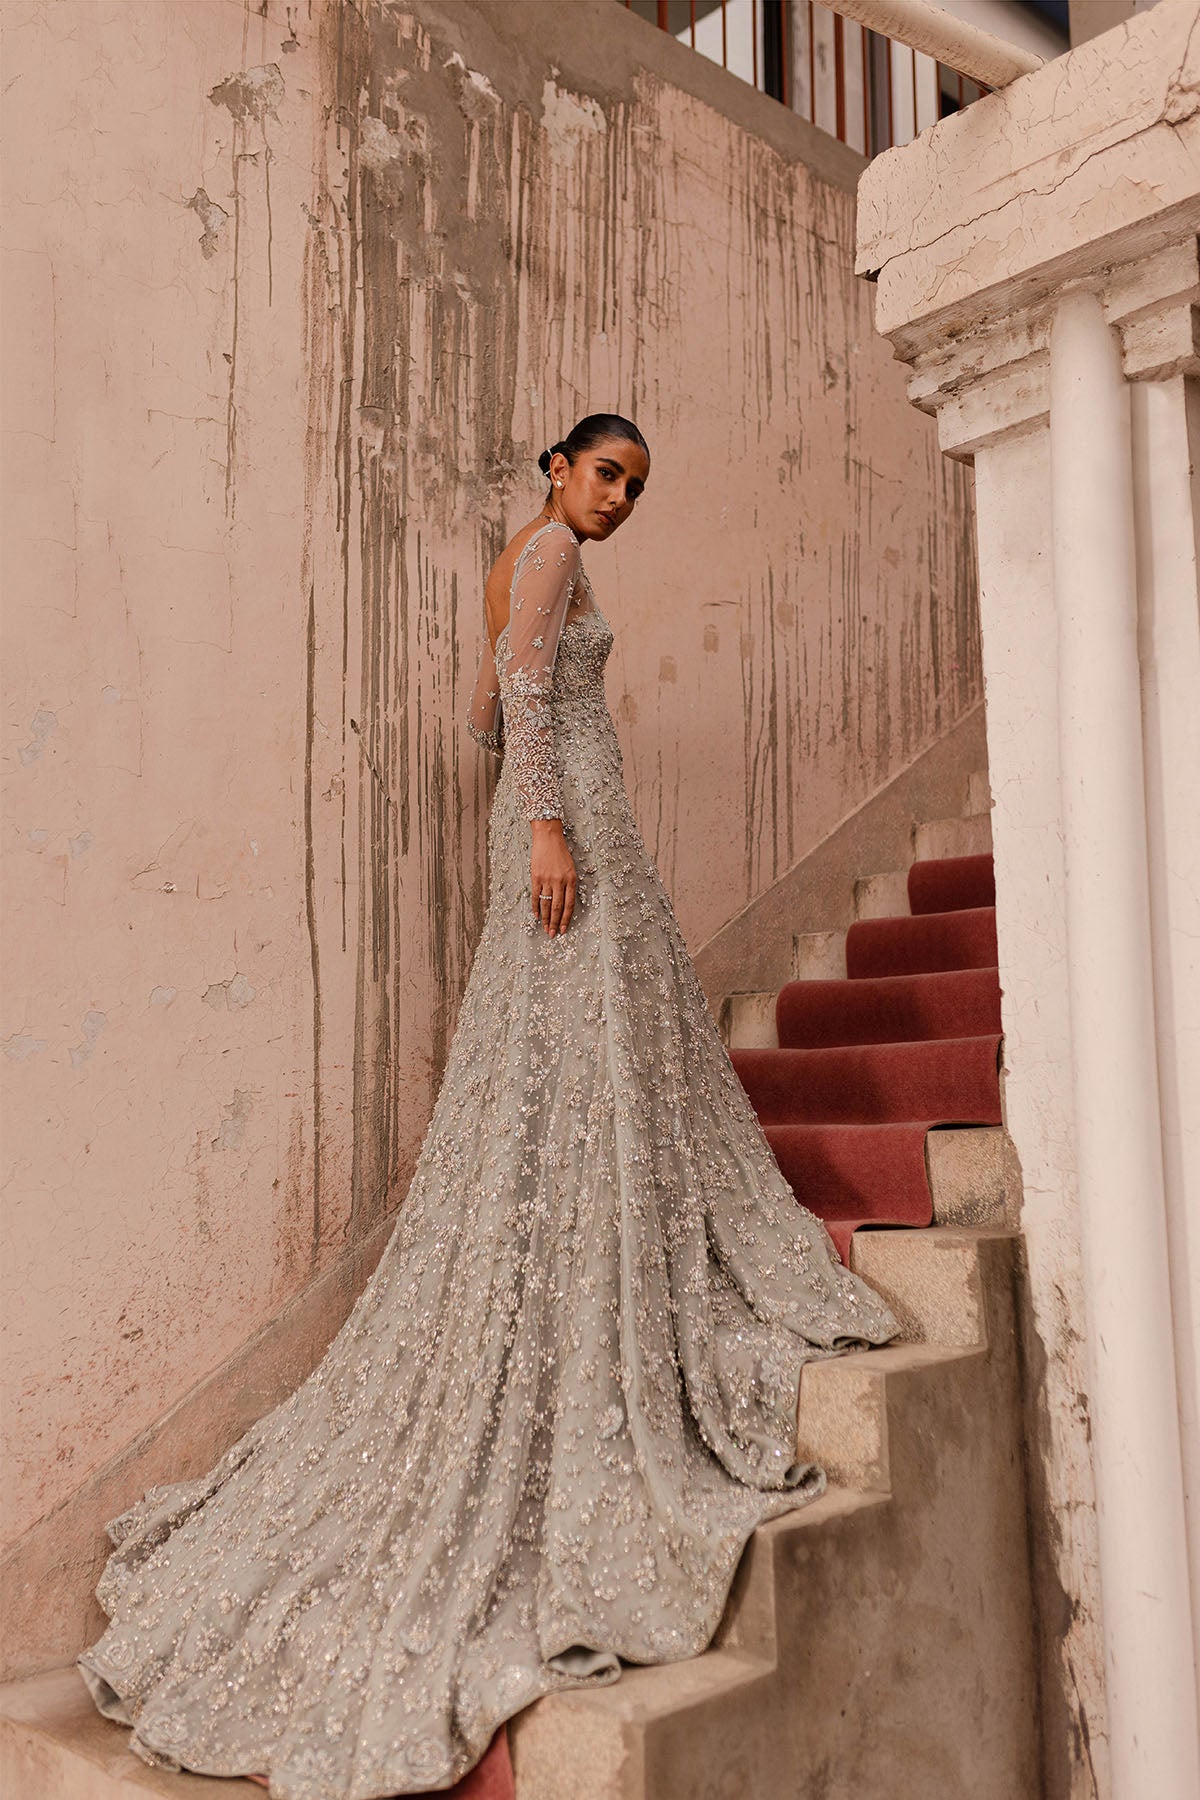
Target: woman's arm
x: 527, y: 651
x: 485, y: 715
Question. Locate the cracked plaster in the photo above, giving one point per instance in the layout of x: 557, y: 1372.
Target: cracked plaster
x: 254, y: 496
x: 995, y: 205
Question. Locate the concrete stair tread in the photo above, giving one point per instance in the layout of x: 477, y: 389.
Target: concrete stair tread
x: 615, y: 1742
x: 939, y: 839
x: 890, y: 1359
x: 85, y: 1756
x: 646, y: 1693
x: 819, y: 955
x: 641, y: 1730
x: 881, y: 896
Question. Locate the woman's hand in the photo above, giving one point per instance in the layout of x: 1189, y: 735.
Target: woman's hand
x: 552, y: 872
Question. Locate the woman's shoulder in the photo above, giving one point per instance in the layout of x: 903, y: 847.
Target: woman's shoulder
x: 522, y: 539
x: 502, y: 570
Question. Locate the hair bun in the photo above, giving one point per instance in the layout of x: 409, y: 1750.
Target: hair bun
x: 544, y: 458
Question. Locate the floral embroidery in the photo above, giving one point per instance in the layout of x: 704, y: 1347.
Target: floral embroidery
x: 566, y: 1394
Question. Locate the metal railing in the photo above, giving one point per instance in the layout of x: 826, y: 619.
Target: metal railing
x: 864, y: 87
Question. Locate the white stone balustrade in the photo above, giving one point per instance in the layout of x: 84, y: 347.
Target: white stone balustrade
x: 1036, y: 265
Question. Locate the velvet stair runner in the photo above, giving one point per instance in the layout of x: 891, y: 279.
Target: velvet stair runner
x: 909, y: 1041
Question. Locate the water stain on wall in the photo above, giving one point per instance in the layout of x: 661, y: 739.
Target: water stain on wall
x: 506, y: 249
x: 424, y: 241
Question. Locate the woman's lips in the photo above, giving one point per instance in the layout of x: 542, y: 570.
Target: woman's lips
x: 607, y: 518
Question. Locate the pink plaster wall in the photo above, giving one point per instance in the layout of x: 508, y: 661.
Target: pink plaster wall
x: 292, y: 298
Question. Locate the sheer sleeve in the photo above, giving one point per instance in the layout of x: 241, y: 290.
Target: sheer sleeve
x: 526, y: 649
x: 485, y: 716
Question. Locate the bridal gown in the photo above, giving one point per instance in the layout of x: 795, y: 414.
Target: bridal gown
x: 567, y: 1394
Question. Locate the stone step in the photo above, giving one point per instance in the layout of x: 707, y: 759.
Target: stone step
x: 819, y: 956
x: 54, y: 1745
x: 917, y: 1544
x: 881, y: 896
x: 932, y: 1278
x: 968, y: 836
x: 894, y: 1597
x: 747, y: 1022
x: 979, y: 792
x: 974, y: 1176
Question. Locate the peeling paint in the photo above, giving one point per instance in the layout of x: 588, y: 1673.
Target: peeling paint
x: 233, y: 1125
x: 476, y: 94
x: 21, y: 1045
x: 229, y: 995
x: 380, y: 150
x: 251, y: 93
x: 94, y: 1023
x: 212, y: 217
x: 568, y: 121
x: 43, y: 725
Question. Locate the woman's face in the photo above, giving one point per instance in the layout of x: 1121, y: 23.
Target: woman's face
x: 600, y: 488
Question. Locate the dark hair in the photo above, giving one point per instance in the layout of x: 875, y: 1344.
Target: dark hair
x: 597, y: 428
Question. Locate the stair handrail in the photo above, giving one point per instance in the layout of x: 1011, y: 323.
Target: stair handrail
x: 922, y: 25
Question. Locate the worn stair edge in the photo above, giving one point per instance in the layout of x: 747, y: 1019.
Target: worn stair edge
x: 562, y: 1743
x: 55, y: 1745
x: 941, y: 838
x: 931, y: 1278
x: 819, y: 956
x: 974, y: 1176
x: 747, y: 1021
x: 881, y: 896
x: 589, y: 1743
x: 979, y: 792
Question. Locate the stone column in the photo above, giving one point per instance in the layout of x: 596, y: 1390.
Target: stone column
x: 1087, y: 547
x: 1156, y: 306
x: 1118, y: 1133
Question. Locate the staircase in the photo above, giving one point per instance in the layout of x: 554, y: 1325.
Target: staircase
x: 864, y: 1067
x: 879, y: 1640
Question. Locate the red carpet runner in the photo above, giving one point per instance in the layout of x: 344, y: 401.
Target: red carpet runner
x: 866, y: 1066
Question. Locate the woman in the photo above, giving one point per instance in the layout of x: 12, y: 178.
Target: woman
x: 567, y: 1394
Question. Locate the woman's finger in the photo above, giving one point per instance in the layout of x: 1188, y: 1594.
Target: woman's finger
x: 568, y: 902
x: 556, y: 905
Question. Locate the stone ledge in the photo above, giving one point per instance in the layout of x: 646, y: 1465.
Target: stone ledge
x: 1091, y: 160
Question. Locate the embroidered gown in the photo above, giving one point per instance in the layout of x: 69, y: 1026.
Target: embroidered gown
x: 567, y: 1394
